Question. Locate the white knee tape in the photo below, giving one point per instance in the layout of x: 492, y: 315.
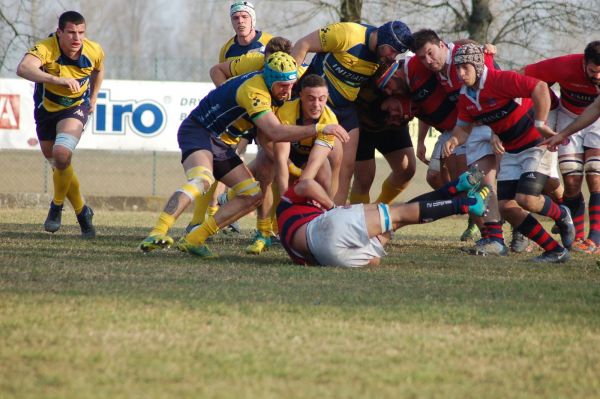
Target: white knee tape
x: 384, y: 217
x: 50, y: 162
x: 592, y: 166
x: 570, y: 166
x: 66, y: 140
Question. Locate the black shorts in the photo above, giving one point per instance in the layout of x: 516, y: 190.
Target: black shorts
x: 391, y: 139
x: 298, y: 158
x: 192, y: 137
x: 45, y: 122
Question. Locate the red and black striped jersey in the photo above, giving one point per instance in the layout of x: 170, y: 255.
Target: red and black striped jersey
x: 293, y: 212
x: 502, y: 102
x: 576, y: 89
x: 433, y: 105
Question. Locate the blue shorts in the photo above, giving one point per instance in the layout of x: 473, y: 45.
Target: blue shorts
x: 347, y: 116
x: 45, y: 122
x: 193, y: 137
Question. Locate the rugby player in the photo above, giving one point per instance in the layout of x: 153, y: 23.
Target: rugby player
x: 437, y: 56
x: 578, y: 76
x: 315, y: 232
x: 347, y: 54
x: 206, y: 158
x: 68, y: 70
x: 515, y: 107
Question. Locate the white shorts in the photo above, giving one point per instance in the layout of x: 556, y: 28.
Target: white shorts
x: 535, y: 159
x: 435, y: 163
x: 479, y: 144
x: 339, y: 238
x: 588, y: 137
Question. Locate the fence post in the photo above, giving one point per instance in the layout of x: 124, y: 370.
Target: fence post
x: 45, y: 176
x: 154, y: 173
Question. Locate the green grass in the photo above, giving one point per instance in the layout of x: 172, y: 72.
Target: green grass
x: 98, y: 319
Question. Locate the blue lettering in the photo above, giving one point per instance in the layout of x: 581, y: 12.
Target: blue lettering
x: 145, y: 118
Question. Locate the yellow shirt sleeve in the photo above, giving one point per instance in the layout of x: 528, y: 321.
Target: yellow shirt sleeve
x: 341, y: 36
x: 249, y: 62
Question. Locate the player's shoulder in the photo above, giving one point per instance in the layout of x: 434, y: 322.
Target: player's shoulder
x: 264, y: 37
x: 328, y: 116
x: 92, y: 47
x: 289, y: 111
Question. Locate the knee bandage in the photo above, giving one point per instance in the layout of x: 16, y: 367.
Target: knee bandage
x: 385, y: 218
x: 66, y: 140
x: 592, y: 166
x: 199, y: 181
x: 248, y: 187
x: 50, y: 162
x: 570, y: 166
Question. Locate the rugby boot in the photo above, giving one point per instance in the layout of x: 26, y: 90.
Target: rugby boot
x: 555, y: 256
x: 489, y: 248
x: 84, y: 218
x: 260, y: 244
x: 587, y: 246
x: 470, y: 232
x: 566, y: 227
x: 519, y: 243
x: 469, y: 180
x: 482, y: 199
x: 201, y: 250
x: 53, y: 220
x: 158, y: 241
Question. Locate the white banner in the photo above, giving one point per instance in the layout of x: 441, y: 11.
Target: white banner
x: 129, y: 115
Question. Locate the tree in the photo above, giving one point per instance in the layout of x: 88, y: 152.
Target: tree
x: 20, y: 28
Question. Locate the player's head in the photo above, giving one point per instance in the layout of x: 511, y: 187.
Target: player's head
x: 71, y: 31
x: 430, y: 49
x: 313, y: 96
x: 243, y: 18
x: 393, y: 38
x: 390, y: 78
x: 469, y: 62
x: 276, y: 44
x: 280, y: 73
x: 591, y: 57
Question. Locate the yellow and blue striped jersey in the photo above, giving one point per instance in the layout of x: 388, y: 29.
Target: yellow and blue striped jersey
x: 290, y: 113
x: 54, y: 97
x: 243, y: 96
x: 346, y: 61
x: 232, y: 49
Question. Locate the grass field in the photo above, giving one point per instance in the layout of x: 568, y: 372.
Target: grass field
x: 99, y: 319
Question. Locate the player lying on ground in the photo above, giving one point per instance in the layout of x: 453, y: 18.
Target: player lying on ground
x: 314, y: 232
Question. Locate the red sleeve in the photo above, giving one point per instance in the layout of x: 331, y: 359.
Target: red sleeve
x: 489, y: 61
x: 509, y: 84
x: 550, y: 70
x: 463, y: 114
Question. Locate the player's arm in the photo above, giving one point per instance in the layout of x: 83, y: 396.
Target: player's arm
x: 219, y: 73
x: 282, y: 173
x: 29, y: 68
x: 96, y: 79
x: 310, y: 43
x: 460, y: 134
x: 586, y: 118
x: 316, y: 159
x: 421, y: 148
x: 541, y: 106
x: 309, y: 188
x: 269, y: 125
